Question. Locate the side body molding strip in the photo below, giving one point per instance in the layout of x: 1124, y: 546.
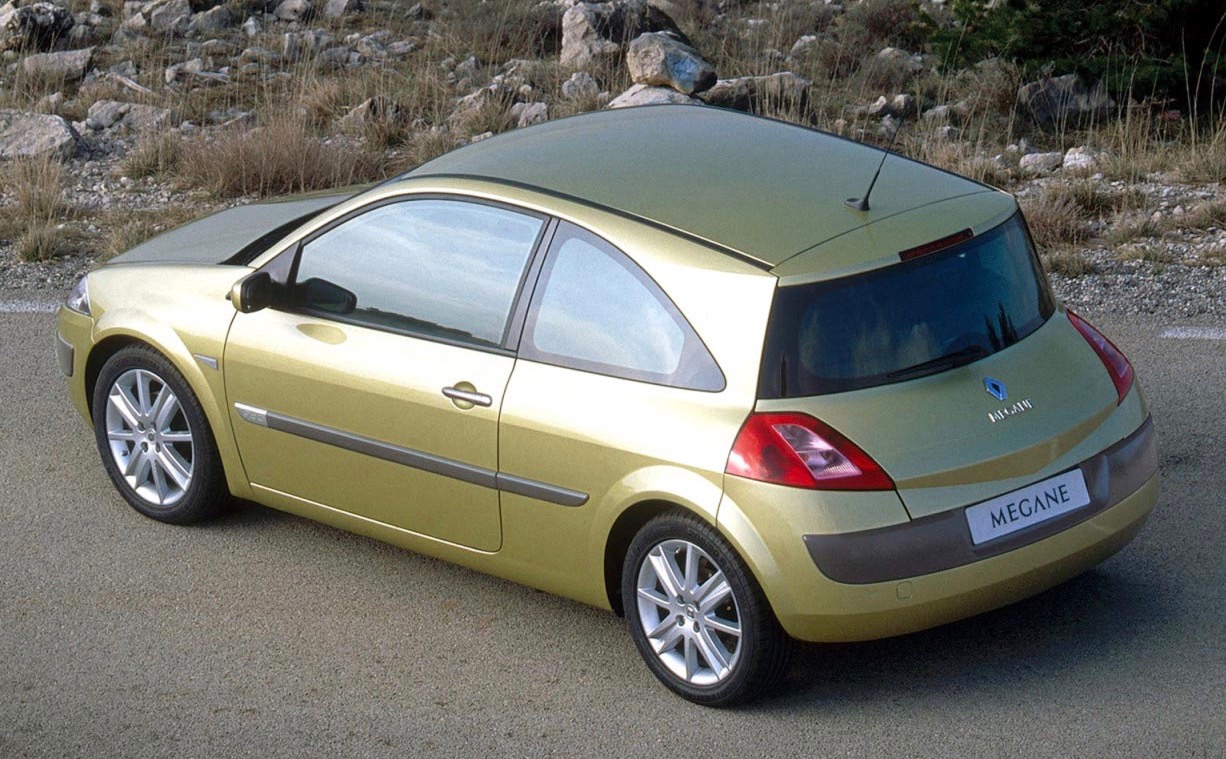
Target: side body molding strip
x: 476, y: 475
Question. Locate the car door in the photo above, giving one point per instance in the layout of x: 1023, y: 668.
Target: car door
x: 374, y: 385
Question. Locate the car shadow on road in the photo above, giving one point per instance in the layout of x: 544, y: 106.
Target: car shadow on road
x: 1080, y: 624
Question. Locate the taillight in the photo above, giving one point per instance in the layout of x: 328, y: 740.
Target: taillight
x: 798, y: 450
x: 1115, y: 361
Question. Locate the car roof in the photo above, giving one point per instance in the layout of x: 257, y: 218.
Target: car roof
x: 766, y: 189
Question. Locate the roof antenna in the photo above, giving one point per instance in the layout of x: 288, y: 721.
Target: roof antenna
x: 861, y: 204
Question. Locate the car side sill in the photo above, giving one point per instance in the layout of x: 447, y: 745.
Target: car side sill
x: 458, y: 470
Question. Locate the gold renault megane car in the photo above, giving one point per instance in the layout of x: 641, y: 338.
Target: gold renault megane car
x: 649, y: 359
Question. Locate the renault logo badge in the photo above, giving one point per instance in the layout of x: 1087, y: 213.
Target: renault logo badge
x: 995, y: 388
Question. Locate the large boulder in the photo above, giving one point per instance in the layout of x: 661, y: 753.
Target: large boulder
x: 1064, y: 99
x: 580, y: 85
x: 662, y: 60
x: 170, y: 17
x: 106, y: 114
x: 67, y: 66
x: 598, y: 32
x: 338, y: 8
x: 758, y: 93
x: 37, y: 26
x: 1035, y: 164
x: 212, y: 21
x: 643, y: 94
x: 294, y: 10
x: 35, y: 135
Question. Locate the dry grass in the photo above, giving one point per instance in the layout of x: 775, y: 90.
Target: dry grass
x: 1127, y: 229
x: 1208, y: 215
x: 43, y: 241
x: 1067, y: 263
x: 1145, y: 251
x: 1055, y: 220
x: 34, y: 221
x: 158, y: 156
x: 279, y: 158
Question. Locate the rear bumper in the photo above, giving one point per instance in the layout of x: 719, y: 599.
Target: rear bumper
x: 901, y: 584
x: 943, y: 541
x: 894, y: 608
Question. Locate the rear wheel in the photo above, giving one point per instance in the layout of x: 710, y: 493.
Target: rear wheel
x: 154, y: 439
x: 697, y: 616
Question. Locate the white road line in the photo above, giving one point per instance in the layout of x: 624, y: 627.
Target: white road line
x: 1195, y: 333
x: 28, y: 307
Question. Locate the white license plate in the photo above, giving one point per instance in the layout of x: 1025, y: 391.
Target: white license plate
x: 1027, y: 506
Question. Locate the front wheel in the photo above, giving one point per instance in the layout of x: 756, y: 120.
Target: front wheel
x: 154, y: 439
x: 696, y: 614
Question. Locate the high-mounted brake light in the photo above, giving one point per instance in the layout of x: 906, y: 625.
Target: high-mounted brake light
x: 935, y: 245
x: 800, y: 451
x: 1113, y: 359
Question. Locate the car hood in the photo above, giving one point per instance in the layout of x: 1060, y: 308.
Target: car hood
x: 218, y: 237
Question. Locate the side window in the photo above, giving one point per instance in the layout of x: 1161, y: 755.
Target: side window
x: 439, y: 268
x: 597, y: 311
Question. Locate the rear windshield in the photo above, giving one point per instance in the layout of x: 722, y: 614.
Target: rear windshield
x: 915, y: 318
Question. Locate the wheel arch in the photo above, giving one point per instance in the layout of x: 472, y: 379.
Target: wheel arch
x: 210, y: 392
x: 622, y: 532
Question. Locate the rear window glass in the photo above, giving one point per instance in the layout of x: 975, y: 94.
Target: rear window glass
x: 909, y: 320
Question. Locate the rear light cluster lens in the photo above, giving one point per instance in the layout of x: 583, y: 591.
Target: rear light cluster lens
x: 800, y: 451
x: 1115, y: 361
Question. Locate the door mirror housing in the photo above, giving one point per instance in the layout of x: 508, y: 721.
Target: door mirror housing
x: 254, y: 293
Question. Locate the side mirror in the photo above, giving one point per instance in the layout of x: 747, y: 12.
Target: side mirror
x: 323, y: 295
x: 254, y: 293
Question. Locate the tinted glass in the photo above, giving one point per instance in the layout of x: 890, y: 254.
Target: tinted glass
x: 596, y: 310
x: 441, y: 268
x: 915, y: 318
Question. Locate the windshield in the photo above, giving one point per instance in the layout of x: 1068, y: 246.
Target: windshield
x: 919, y: 317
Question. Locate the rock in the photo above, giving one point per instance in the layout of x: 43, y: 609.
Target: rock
x: 751, y: 93
x: 1064, y: 99
x: 371, y: 48
x: 1033, y: 164
x: 340, y: 56
x: 37, y: 26
x: 597, y: 31
x: 338, y: 8
x: 401, y: 48
x: 530, y: 113
x: 880, y: 107
x: 804, y: 46
x: 307, y: 42
x: 259, y: 56
x: 252, y: 26
x: 171, y: 16
x: 1083, y: 158
x: 213, y: 20
x: 660, y: 59
x: 418, y: 13
x: 51, y: 103
x: 294, y: 10
x: 35, y: 135
x: 370, y: 111
x: 903, y: 105
x: 183, y: 71
x: 107, y: 114
x: 912, y: 61
x: 945, y: 132
x: 68, y: 66
x: 642, y: 94
x: 938, y: 114
x: 580, y: 85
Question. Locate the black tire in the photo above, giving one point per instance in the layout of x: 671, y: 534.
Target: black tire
x: 763, y: 648
x: 206, y: 490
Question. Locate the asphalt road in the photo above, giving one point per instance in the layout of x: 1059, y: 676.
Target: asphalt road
x: 266, y: 635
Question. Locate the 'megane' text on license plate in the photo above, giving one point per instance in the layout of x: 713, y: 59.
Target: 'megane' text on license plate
x: 1027, y: 506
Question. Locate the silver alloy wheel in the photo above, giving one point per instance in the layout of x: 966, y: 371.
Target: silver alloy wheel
x: 150, y: 439
x: 689, y: 612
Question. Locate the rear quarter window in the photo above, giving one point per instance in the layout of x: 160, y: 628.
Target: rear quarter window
x: 595, y: 310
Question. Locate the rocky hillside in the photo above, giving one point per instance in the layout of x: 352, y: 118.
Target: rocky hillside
x: 120, y: 119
